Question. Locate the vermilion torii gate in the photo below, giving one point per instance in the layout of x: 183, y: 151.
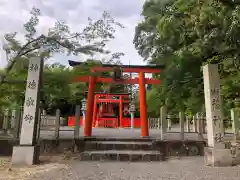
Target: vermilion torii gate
x: 141, y: 80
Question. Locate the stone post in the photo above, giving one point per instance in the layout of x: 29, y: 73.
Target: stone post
x: 169, y: 122
x: 194, y: 122
x: 13, y: 119
x: 197, y: 122
x: 5, y: 120
x: 44, y: 118
x: 83, y: 118
x: 132, y: 119
x: 17, y: 124
x: 203, y: 125
x: 77, y: 122
x: 215, y: 154
x: 235, y: 124
x: 199, y: 126
x: 57, y: 124
x: 149, y: 123
x: 188, y: 119
x: 181, y: 122
x: 163, y: 119
x: 28, y: 150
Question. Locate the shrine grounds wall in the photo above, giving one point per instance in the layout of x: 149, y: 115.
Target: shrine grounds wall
x: 168, y: 148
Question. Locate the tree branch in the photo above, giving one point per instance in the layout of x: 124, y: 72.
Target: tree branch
x: 19, y: 54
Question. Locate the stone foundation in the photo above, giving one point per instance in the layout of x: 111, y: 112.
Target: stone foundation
x: 121, y: 156
x: 25, y: 155
x: 219, y: 157
x: 86, y: 146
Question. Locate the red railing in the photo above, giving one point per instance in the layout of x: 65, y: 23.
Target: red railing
x: 108, y: 122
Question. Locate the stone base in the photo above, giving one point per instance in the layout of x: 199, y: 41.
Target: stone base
x: 218, y: 157
x: 25, y: 155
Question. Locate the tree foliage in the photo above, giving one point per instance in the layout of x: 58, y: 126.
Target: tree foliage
x: 184, y: 35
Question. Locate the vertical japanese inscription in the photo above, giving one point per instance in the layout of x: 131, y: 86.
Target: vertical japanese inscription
x: 30, y: 115
x: 213, y: 104
x: 33, y: 67
x: 218, y: 138
x: 215, y: 92
x: 32, y: 84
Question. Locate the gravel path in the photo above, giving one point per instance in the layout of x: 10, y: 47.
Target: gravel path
x: 183, y: 169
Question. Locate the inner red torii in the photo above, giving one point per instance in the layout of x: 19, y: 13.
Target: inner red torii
x: 141, y: 80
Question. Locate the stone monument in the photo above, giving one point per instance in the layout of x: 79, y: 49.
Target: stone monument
x: 28, y: 151
x: 217, y: 153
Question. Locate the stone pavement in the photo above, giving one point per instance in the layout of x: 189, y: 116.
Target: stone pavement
x: 183, y: 169
x: 67, y: 133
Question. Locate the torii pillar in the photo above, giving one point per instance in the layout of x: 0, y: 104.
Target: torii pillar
x: 143, y: 105
x: 90, y: 105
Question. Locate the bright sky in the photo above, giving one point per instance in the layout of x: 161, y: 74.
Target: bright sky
x: 13, y: 13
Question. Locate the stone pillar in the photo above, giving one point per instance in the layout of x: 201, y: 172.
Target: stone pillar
x: 169, y: 122
x: 83, y: 118
x: 57, y: 124
x: 44, y: 118
x: 235, y: 124
x: 5, y: 120
x: 17, y: 124
x: 28, y: 151
x: 188, y: 123
x: 197, y: 122
x: 132, y: 119
x: 199, y: 126
x: 77, y: 122
x: 215, y: 154
x: 13, y: 119
x: 194, y: 121
x: 181, y: 122
x: 203, y: 124
x: 163, y: 122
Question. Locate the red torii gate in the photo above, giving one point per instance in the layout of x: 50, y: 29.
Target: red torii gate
x: 141, y: 80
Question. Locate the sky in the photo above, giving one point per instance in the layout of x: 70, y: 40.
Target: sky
x: 14, y: 13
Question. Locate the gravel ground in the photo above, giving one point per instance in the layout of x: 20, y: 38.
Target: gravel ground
x: 183, y: 169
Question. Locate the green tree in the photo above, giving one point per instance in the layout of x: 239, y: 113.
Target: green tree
x: 184, y: 35
x: 59, y: 39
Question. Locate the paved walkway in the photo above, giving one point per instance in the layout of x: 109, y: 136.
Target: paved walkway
x: 183, y: 169
x: 173, y: 134
x: 68, y: 132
